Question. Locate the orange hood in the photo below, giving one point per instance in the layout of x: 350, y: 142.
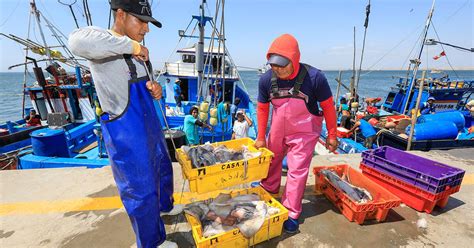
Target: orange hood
x: 287, y: 46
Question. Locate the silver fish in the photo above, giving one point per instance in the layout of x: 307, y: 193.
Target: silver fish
x: 247, y: 212
x: 357, y: 194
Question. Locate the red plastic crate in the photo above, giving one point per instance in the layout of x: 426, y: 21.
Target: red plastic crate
x: 377, y: 209
x: 343, y: 132
x: 412, y: 196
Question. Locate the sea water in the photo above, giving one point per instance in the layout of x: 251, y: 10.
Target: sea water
x: 371, y: 84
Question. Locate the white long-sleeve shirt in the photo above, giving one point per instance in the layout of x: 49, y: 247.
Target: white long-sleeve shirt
x: 105, y: 49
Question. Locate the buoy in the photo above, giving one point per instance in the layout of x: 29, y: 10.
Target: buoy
x: 213, y: 112
x: 213, y: 121
x: 56, y: 54
x: 434, y: 130
x: 204, y: 107
x: 203, y: 116
x: 453, y: 116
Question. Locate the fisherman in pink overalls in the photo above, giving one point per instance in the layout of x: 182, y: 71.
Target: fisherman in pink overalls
x: 297, y: 92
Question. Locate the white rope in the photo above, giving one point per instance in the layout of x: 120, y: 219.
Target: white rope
x: 150, y: 76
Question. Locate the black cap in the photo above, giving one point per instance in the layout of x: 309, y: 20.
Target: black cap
x: 138, y: 8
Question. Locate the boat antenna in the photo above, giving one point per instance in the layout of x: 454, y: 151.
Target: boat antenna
x: 366, y: 25
x: 70, y: 8
x: 417, y: 61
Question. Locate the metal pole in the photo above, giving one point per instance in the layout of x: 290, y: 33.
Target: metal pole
x: 338, y: 87
x: 200, y: 48
x: 74, y: 16
x: 352, y: 87
x: 366, y: 25
x: 418, y: 61
x: 343, y: 85
x: 37, y: 14
x: 415, y: 115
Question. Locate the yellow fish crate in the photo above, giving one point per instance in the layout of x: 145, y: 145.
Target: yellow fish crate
x: 223, y: 175
x: 271, y: 228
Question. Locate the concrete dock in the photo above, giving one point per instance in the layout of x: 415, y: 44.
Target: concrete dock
x: 78, y: 207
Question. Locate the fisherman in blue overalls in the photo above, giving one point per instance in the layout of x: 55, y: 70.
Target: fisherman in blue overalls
x: 131, y: 129
x: 178, y: 96
x: 428, y: 107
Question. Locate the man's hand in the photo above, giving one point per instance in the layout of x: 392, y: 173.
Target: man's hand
x: 260, y: 144
x: 143, y: 55
x: 209, y: 127
x: 332, y: 144
x: 155, y: 89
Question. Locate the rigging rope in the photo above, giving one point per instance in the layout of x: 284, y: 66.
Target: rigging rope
x: 404, y: 39
x: 442, y: 47
x: 11, y: 13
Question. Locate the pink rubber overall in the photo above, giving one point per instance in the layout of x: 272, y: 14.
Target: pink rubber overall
x: 294, y: 132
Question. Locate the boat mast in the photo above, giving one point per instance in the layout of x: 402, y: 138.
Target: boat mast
x: 417, y: 61
x: 36, y: 12
x: 200, y: 46
x: 222, y: 37
x: 366, y: 25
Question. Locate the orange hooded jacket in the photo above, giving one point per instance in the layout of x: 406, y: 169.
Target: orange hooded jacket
x: 287, y: 46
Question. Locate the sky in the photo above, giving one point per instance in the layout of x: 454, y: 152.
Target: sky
x: 323, y: 28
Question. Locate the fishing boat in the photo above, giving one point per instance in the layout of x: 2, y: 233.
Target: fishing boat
x: 208, y: 78
x: 64, y: 101
x: 263, y: 69
x: 71, y: 136
x: 446, y: 129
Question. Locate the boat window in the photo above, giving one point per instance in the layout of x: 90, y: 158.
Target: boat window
x: 188, y: 58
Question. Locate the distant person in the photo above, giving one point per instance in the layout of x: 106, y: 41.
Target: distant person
x: 371, y: 101
x: 345, y: 121
x: 428, y: 107
x: 233, y: 109
x: 223, y: 112
x: 241, y: 125
x: 470, y: 107
x: 169, y: 111
x: 178, y: 95
x: 191, y: 124
x: 33, y: 120
x: 367, y: 130
x: 216, y: 92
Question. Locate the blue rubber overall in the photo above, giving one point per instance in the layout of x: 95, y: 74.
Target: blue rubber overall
x: 140, y: 162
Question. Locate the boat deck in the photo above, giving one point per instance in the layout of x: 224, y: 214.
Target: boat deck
x: 79, y: 207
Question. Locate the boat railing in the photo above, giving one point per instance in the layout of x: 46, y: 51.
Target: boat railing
x: 190, y: 70
x: 440, y: 84
x: 81, y: 135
